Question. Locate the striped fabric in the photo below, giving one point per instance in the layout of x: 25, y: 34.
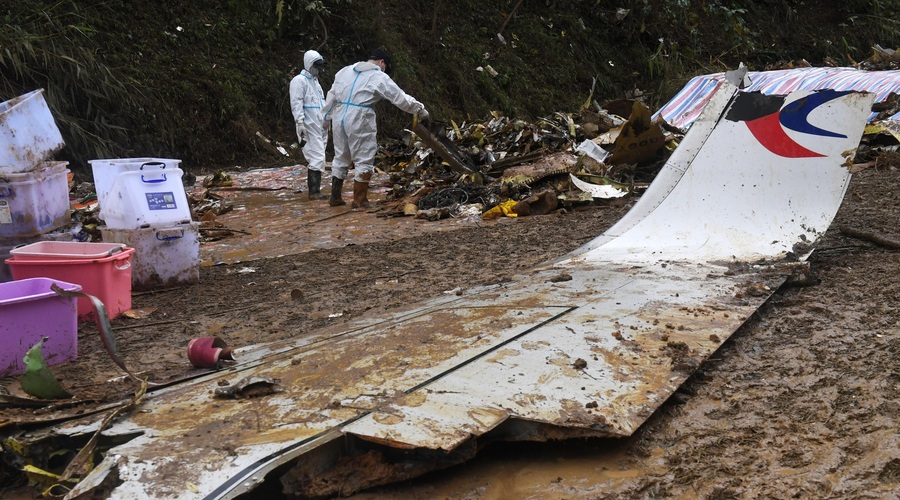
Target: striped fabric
x: 687, y: 104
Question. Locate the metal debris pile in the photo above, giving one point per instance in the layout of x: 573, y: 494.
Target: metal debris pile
x: 598, y: 154
x: 615, y: 147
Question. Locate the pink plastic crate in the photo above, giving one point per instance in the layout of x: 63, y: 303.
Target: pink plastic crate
x: 107, y: 278
x: 31, y: 310
x: 66, y: 250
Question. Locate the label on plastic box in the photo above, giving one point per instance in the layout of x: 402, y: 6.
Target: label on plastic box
x: 161, y: 201
x: 5, y: 215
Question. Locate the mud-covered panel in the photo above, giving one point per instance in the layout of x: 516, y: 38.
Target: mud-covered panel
x: 428, y: 418
x: 319, y: 386
x: 605, y: 366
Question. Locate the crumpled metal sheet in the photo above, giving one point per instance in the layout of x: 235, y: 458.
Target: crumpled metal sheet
x: 552, y: 164
x: 598, y: 190
x: 447, y: 372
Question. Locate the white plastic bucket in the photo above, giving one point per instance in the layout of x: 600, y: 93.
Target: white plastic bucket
x: 106, y: 170
x: 28, y: 133
x: 144, y: 198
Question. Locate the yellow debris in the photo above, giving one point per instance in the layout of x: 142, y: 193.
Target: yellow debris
x: 503, y: 209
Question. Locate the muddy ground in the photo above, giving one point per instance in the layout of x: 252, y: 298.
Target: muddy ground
x: 800, y: 402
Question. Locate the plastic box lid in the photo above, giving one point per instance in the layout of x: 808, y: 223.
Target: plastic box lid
x: 105, y: 172
x: 152, y: 197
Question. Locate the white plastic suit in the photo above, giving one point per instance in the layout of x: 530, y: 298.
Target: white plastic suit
x: 349, y: 107
x: 307, y: 99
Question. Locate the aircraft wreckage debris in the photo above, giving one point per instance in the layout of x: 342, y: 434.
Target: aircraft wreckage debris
x: 588, y: 345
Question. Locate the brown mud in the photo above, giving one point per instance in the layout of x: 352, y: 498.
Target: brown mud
x: 801, y: 401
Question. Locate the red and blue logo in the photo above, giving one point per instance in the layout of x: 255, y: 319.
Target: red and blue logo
x: 767, y: 118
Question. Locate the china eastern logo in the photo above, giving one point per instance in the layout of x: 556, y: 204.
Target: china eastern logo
x: 767, y: 118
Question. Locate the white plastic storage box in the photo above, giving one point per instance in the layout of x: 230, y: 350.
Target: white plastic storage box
x: 31, y: 310
x: 34, y: 202
x: 28, y: 133
x: 146, y: 198
x: 105, y: 172
x: 163, y: 256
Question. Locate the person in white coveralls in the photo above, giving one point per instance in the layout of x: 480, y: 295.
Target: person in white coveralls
x: 307, y: 99
x: 348, y: 106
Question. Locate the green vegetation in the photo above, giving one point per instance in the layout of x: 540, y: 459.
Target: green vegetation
x: 200, y: 80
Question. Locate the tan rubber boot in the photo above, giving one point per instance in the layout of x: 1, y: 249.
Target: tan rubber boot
x: 361, y: 191
x: 336, y: 186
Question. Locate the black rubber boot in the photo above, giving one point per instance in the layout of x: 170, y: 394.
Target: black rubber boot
x: 336, y: 186
x: 314, y: 183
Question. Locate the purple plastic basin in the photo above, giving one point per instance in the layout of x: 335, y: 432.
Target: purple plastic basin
x: 29, y: 310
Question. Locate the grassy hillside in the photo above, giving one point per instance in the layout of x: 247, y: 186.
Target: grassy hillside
x: 201, y: 80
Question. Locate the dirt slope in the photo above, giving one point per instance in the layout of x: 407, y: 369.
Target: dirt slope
x: 198, y: 80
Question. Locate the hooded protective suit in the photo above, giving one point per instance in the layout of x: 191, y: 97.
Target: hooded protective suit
x: 307, y: 98
x: 349, y: 107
